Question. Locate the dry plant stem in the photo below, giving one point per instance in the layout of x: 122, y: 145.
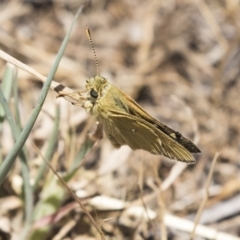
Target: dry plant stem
x: 73, y: 195
x: 94, y: 147
x: 176, y: 170
x: 208, y: 182
x: 57, y: 87
x: 161, y: 204
x: 65, y: 229
x: 207, y: 14
x: 162, y: 209
x: 144, y: 205
x: 24, y: 67
x: 202, y: 231
x: 218, y: 76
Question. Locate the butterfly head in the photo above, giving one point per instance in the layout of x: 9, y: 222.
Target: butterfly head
x: 95, y: 87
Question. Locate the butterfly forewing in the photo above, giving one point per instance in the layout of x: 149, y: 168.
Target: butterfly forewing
x: 139, y: 134
x: 136, y: 110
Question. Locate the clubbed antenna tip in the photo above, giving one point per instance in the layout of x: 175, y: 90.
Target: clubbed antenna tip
x: 94, y: 52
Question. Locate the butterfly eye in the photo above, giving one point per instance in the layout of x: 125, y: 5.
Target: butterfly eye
x: 93, y: 93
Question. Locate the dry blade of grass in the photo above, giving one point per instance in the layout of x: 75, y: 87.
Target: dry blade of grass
x: 207, y: 14
x: 161, y: 203
x: 162, y: 207
x: 185, y: 225
x: 73, y: 195
x: 57, y: 87
x: 175, y: 172
x: 65, y: 229
x: 208, y: 182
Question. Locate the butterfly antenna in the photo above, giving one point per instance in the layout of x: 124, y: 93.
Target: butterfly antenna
x: 93, y: 48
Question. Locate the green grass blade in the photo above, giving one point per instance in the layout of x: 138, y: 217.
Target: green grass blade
x: 85, y: 148
x: 8, y: 116
x: 6, y: 86
x: 27, y: 188
x: 9, y: 160
x: 50, y: 149
x: 16, y: 101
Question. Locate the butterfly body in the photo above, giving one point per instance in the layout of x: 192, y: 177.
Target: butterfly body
x: 126, y: 123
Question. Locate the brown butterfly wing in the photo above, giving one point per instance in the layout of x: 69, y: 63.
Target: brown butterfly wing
x: 139, y: 134
x: 136, y: 110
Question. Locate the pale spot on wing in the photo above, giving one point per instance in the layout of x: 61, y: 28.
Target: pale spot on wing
x: 133, y: 130
x: 173, y: 135
x: 160, y: 142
